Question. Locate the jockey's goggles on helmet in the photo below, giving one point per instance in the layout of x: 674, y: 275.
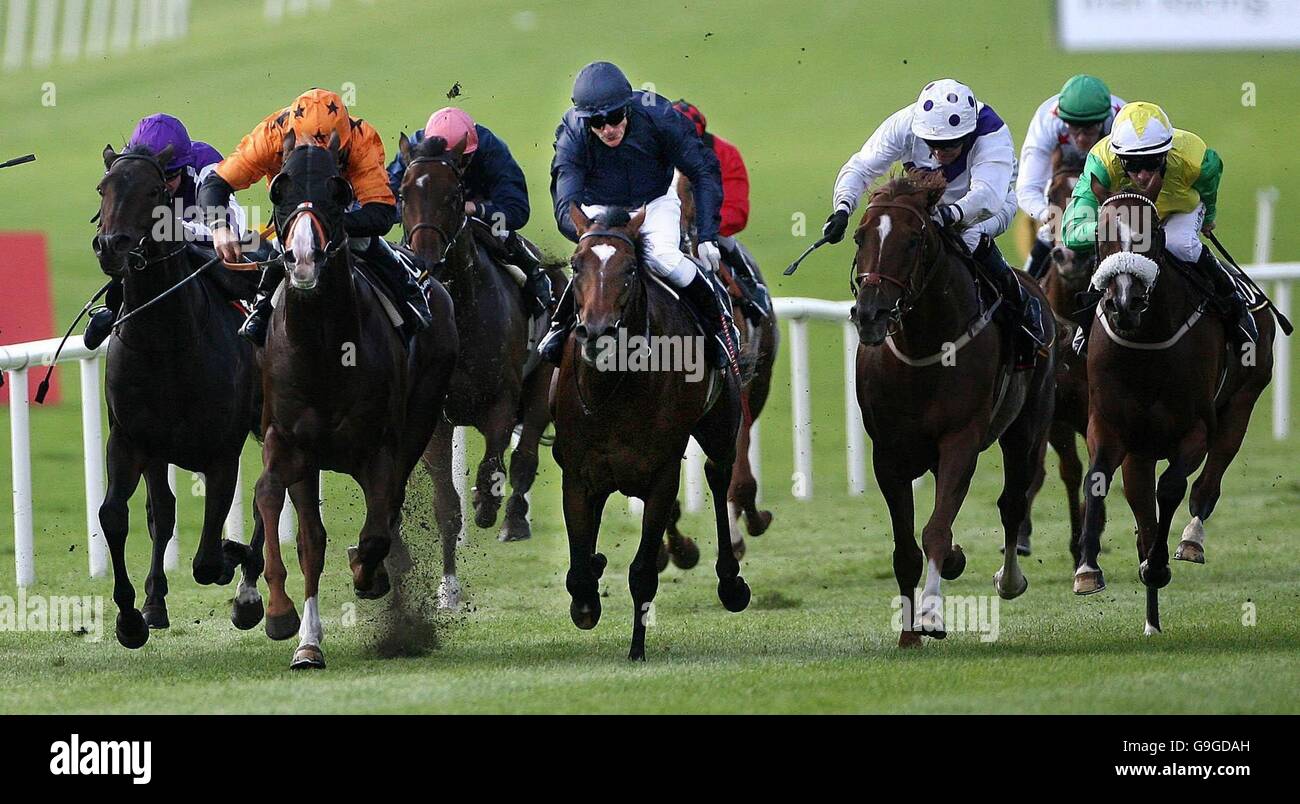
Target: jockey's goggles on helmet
x: 1137, y: 164
x: 598, y: 121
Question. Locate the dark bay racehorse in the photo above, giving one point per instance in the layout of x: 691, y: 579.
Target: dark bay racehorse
x: 620, y: 430
x: 936, y: 388
x: 1067, y: 276
x: 342, y: 392
x: 1163, y: 386
x: 758, y: 350
x: 489, y: 389
x: 182, y: 388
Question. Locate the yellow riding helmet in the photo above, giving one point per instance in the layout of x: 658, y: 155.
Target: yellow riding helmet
x: 1141, y: 128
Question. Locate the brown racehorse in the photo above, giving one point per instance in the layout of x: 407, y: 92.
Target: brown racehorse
x: 342, y: 393
x: 1162, y: 386
x: 489, y: 389
x: 936, y: 388
x: 1067, y: 276
x: 758, y: 349
x: 626, y: 431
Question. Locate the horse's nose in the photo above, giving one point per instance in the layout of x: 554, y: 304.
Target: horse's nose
x: 111, y: 244
x: 1059, y: 254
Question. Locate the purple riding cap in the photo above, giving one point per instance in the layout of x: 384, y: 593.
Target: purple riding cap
x: 157, y: 131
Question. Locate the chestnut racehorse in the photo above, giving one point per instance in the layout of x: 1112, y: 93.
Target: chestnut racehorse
x: 342, y: 393
x: 1163, y: 385
x: 936, y: 387
x: 624, y: 430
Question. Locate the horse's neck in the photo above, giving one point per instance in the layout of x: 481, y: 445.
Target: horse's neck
x: 1172, y: 302
x: 175, y: 319
x: 326, y: 317
x: 943, y: 309
x: 463, y: 268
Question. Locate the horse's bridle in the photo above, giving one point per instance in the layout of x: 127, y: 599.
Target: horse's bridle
x: 1144, y: 298
x: 911, y: 291
x: 138, y: 258
x: 448, y: 239
x: 331, y: 246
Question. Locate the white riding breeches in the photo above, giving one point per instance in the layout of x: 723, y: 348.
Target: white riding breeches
x: 1183, y: 234
x: 662, y: 234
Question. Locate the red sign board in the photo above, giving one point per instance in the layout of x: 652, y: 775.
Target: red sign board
x: 26, y: 312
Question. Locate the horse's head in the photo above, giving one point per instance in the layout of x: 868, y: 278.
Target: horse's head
x: 1129, y: 244
x: 309, y: 197
x: 433, y: 201
x: 604, y: 273
x: 132, y: 191
x: 1071, y: 265
x: 896, y: 241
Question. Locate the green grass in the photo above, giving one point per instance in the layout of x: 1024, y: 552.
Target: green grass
x: 798, y: 90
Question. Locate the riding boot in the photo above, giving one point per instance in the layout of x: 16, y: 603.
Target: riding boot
x: 258, y: 321
x: 1039, y: 260
x: 1031, y: 334
x: 537, y: 286
x: 755, y: 302
x: 401, y: 283
x: 1238, y: 319
x: 101, y: 321
x: 713, y: 318
x: 551, y: 347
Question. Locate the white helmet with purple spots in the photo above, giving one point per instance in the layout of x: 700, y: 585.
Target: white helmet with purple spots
x: 945, y: 110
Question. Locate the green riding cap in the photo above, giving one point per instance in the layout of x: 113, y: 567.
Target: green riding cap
x: 1084, y: 99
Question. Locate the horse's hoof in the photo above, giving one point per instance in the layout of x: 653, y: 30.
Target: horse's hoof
x: 954, y: 565
x: 738, y: 549
x: 757, y: 525
x: 449, y: 593
x: 1190, y: 551
x: 686, y: 555
x: 211, y: 572
x: 909, y: 639
x: 1154, y: 578
x: 1009, y: 594
x: 585, y: 616
x: 283, y: 626
x: 1023, y: 549
x: 515, y: 529
x: 1089, y: 583
x: 246, y: 616
x: 308, y: 657
x: 155, y: 616
x: 132, y: 632
x: 636, y: 654
x: 661, y: 560
x: 734, y: 593
x: 485, y: 514
x: 598, y: 564
x: 379, y: 584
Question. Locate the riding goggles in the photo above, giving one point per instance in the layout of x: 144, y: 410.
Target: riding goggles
x: 1137, y: 164
x: 599, y: 121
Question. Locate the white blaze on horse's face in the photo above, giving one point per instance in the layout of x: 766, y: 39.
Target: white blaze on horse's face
x: 303, y: 272
x: 604, y: 252
x: 884, y: 226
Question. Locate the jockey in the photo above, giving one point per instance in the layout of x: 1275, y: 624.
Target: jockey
x: 190, y: 164
x: 495, y: 191
x: 947, y: 129
x: 616, y: 147
x: 1073, y: 121
x: 313, y: 117
x: 1142, y: 147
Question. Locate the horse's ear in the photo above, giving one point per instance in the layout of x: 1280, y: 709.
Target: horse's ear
x: 342, y: 191
x: 109, y: 156
x: 634, y: 224
x: 404, y: 147
x: 1099, y: 190
x: 580, y: 221
x: 290, y: 142
x: 165, y: 156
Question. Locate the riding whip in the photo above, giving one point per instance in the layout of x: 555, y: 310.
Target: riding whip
x: 44, y: 387
x: 1282, y: 320
x: 794, y: 266
x: 165, y: 293
x: 19, y: 160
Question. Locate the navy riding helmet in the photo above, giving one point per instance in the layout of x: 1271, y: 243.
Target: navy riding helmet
x: 600, y: 88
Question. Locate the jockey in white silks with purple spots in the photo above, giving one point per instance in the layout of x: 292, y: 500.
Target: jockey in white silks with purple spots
x: 948, y: 130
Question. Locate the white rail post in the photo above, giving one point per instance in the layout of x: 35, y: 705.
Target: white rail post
x: 47, y: 15
x: 74, y: 13
x: 801, y: 396
x: 92, y: 444
x: 20, y: 438
x: 172, y: 555
x: 1265, y: 199
x: 755, y: 458
x: 15, y: 35
x: 460, y: 478
x: 854, y: 435
x: 694, y: 477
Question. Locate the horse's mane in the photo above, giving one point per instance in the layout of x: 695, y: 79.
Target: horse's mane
x: 1067, y: 160
x: 913, y: 182
x: 619, y: 218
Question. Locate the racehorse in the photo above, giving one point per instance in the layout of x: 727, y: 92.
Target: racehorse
x: 490, y: 389
x: 626, y: 430
x: 182, y: 388
x: 1163, y: 385
x: 342, y: 392
x: 1067, y: 276
x: 936, y: 387
x: 758, y: 349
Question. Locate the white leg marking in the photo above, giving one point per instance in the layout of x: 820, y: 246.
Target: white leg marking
x: 449, y: 592
x: 310, y: 631
x: 1151, y: 630
x: 733, y: 520
x: 1195, y: 531
x: 1085, y: 567
x: 247, y: 592
x: 931, y: 600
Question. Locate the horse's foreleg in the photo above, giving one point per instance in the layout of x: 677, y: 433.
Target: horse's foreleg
x: 1106, y: 455
x: 732, y: 589
x: 743, y: 493
x: 124, y: 468
x: 490, y: 481
x: 215, y: 560
x: 446, y: 511
x: 380, y: 484
x: 643, y: 574
x: 582, y: 512
x: 908, y: 558
x: 247, y: 610
x: 957, y: 458
x: 161, y: 508
x: 311, y: 560
x: 1140, y: 491
x: 523, y: 461
x: 1228, y: 435
x: 1071, y: 470
x: 1025, y: 529
x: 281, y: 616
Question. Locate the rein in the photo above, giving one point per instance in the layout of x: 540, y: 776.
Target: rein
x: 911, y: 291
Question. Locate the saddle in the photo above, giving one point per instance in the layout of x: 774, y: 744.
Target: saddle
x: 497, y: 252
